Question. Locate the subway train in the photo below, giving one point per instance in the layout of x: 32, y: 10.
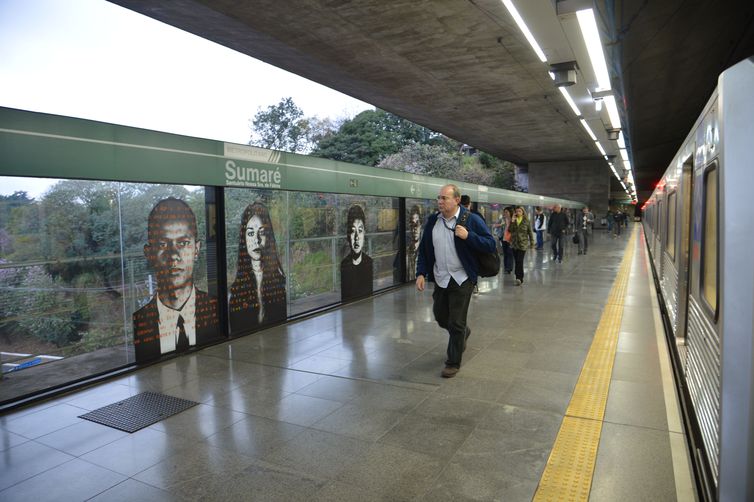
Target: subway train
x: 697, y: 225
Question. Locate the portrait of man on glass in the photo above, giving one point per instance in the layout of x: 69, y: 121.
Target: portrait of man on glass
x: 178, y: 316
x: 415, y: 222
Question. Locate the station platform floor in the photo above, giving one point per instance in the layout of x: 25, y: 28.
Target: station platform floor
x: 350, y: 405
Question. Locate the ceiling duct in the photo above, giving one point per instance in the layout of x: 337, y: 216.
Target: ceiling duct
x: 564, y: 74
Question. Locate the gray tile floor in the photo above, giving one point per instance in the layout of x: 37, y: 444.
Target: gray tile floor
x: 350, y: 405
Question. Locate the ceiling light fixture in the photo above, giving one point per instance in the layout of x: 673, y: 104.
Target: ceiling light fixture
x: 589, y: 31
x: 570, y: 101
x: 602, y: 150
x: 586, y: 126
x: 612, y: 111
x: 623, y: 154
x: 524, y: 29
x: 621, y: 140
x: 612, y: 167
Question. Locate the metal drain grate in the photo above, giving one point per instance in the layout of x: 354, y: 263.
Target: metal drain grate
x: 139, y: 411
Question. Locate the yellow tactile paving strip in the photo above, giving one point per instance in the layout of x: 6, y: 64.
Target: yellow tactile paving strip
x: 569, y: 470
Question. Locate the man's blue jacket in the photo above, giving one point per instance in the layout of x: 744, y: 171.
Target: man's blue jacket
x: 479, y: 239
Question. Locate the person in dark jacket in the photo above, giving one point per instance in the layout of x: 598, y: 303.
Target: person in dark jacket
x: 446, y: 256
x: 540, y: 225
x: 557, y: 227
x: 505, y: 240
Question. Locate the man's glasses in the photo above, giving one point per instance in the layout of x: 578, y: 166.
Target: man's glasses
x: 444, y: 197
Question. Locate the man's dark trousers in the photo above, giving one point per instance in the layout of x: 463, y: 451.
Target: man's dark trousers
x: 557, y: 246
x: 450, y: 307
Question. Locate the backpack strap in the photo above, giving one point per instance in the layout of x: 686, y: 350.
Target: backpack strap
x: 463, y: 218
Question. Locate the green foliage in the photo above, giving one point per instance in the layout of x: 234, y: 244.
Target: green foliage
x: 281, y: 127
x: 312, y: 270
x: 311, y: 215
x: 44, y: 310
x: 504, y: 172
x: 98, y: 337
x: 373, y: 135
x: 430, y: 160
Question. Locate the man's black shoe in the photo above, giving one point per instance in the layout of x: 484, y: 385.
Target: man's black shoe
x: 449, y: 372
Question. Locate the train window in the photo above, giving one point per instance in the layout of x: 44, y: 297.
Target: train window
x: 709, y: 239
x: 670, y: 230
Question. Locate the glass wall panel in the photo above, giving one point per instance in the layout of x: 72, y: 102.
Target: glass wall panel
x: 82, y: 261
x: 369, y: 247
x: 417, y: 212
x: 174, y: 305
x: 313, y: 279
x: 256, y: 232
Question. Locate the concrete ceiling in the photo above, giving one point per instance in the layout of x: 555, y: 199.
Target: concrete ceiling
x: 669, y: 56
x: 463, y: 67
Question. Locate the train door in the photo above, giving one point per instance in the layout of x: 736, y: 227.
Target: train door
x: 687, y: 194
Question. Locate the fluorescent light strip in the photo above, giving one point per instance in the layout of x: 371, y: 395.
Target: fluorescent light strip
x: 612, y: 111
x: 522, y: 26
x: 586, y: 126
x: 621, y: 140
x: 624, y: 154
x: 612, y: 167
x: 599, y: 147
x: 569, y: 100
x: 591, y: 35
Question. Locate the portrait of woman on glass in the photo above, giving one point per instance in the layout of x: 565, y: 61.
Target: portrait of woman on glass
x: 356, y: 268
x: 257, y: 295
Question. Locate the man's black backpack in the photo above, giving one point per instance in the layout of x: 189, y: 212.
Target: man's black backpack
x: 489, y: 263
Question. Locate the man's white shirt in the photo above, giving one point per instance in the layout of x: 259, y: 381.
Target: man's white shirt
x: 447, y: 263
x: 169, y: 323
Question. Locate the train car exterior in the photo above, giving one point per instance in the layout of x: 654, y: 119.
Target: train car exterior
x: 700, y: 248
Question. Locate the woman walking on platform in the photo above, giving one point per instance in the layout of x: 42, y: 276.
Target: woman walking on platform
x: 505, y: 240
x: 522, y: 238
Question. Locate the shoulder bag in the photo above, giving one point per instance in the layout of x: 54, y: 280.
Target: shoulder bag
x: 489, y: 263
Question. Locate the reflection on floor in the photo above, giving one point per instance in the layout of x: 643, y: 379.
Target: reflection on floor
x: 350, y: 405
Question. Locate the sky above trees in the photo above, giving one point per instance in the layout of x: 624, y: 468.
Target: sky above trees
x: 95, y: 60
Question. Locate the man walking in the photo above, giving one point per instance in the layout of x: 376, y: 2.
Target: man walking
x: 583, y: 224
x: 539, y: 227
x: 446, y: 256
x: 556, y: 227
